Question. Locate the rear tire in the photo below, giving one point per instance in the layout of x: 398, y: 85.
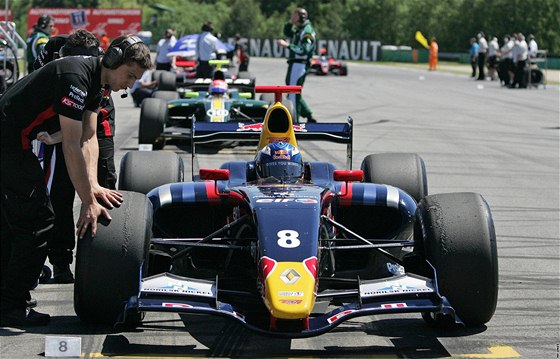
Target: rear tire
x: 142, y: 171
x: 457, y: 236
x: 109, y: 265
x: 153, y: 115
x: 402, y: 170
x: 166, y: 95
x: 167, y: 81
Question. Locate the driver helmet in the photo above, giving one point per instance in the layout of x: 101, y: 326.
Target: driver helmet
x: 218, y: 87
x: 280, y: 160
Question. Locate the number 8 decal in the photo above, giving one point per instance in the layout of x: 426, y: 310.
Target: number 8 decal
x: 288, y: 238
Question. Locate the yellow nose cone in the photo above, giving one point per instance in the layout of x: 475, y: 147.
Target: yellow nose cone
x: 290, y: 290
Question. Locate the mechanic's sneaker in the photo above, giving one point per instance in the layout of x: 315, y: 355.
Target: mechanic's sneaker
x: 311, y: 120
x: 31, y: 303
x: 62, y: 274
x: 24, y: 317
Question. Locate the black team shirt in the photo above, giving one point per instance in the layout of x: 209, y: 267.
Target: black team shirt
x: 67, y: 86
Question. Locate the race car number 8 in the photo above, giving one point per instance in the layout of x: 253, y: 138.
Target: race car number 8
x: 288, y: 239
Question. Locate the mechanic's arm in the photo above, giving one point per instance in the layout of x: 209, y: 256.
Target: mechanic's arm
x: 75, y: 163
x: 90, y: 148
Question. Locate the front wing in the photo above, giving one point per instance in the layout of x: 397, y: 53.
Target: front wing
x: 407, y: 293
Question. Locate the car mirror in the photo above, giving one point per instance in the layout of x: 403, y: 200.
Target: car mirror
x: 348, y: 175
x: 214, y: 174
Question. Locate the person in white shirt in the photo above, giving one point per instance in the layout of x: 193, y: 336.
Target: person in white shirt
x: 493, y: 49
x: 206, y: 46
x: 506, y: 61
x: 533, y: 47
x: 164, y: 62
x: 143, y: 87
x: 520, y: 58
x: 482, y: 53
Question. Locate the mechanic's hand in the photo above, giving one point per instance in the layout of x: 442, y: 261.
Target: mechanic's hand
x: 89, y: 215
x: 282, y: 42
x: 110, y: 197
x: 45, y: 138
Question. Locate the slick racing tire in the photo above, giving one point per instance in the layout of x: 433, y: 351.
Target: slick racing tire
x: 166, y: 95
x: 109, y: 265
x: 167, y: 81
x: 456, y: 235
x: 156, y: 74
x: 142, y: 171
x: 153, y: 115
x: 405, y: 171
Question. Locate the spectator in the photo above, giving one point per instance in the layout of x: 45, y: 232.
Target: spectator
x: 143, y: 87
x: 493, y: 49
x: 164, y: 62
x: 506, y: 60
x: 521, y: 52
x: 533, y: 46
x: 473, y: 53
x: 104, y: 41
x: 206, y: 46
x: 38, y: 39
x: 302, y: 47
x: 241, y: 53
x: 433, y: 54
x: 26, y: 211
x: 482, y: 53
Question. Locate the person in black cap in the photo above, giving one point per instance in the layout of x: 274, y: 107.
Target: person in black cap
x: 64, y: 96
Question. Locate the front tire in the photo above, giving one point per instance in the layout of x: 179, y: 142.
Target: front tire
x: 457, y: 237
x: 109, y: 266
x: 153, y: 116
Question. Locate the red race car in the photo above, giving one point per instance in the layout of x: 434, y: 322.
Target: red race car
x: 324, y: 64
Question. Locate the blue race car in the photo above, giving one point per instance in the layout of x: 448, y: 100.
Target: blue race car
x: 285, y: 247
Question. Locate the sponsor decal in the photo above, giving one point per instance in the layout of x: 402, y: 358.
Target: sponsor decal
x: 395, y: 269
x: 217, y: 112
x: 290, y: 276
x: 177, y: 287
x: 76, y: 97
x: 299, y: 128
x: 78, y: 91
x: 256, y: 127
x: 176, y: 305
x: 340, y: 315
x: 395, y: 289
x: 290, y: 294
x: 393, y: 305
x: 291, y: 301
x: 284, y: 200
x: 70, y: 103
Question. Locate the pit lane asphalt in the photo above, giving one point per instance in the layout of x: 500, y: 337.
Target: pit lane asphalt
x: 473, y: 135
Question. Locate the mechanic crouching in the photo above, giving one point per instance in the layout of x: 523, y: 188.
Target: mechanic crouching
x: 64, y: 96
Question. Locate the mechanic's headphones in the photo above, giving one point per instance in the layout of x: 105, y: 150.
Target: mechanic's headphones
x: 302, y: 13
x: 43, y: 21
x: 114, y: 57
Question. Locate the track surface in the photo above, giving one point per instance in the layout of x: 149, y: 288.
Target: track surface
x: 474, y: 136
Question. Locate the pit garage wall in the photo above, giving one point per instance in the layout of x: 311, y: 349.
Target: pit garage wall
x: 361, y: 50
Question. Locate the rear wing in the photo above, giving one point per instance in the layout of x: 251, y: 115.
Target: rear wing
x: 208, y: 132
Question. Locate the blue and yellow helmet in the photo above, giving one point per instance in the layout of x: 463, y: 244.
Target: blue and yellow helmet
x: 280, y: 160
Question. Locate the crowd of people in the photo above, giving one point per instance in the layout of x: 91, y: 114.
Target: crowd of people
x: 509, y: 63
